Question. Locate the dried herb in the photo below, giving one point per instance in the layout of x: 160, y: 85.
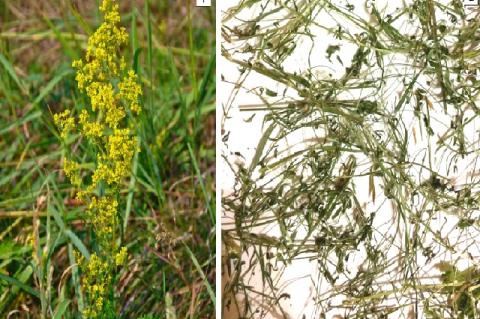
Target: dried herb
x: 383, y: 187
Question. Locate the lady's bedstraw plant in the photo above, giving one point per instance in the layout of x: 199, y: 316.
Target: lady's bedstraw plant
x: 113, y: 91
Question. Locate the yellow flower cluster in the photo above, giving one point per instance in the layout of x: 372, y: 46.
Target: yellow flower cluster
x: 89, y: 128
x: 64, y: 122
x: 102, y: 215
x: 102, y: 49
x: 71, y: 170
x: 96, y: 281
x: 121, y: 256
x: 130, y: 91
x: 113, y: 92
x: 115, y: 163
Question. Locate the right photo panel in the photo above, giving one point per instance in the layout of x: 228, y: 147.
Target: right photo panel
x: 349, y: 159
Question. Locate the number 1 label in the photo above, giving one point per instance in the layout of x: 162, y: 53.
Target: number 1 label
x: 204, y: 3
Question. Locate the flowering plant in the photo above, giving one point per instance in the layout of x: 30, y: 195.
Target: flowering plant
x: 113, y: 92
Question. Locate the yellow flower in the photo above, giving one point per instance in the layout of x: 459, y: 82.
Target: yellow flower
x: 115, y: 163
x: 130, y: 90
x: 89, y: 129
x: 96, y: 279
x: 71, y: 170
x: 99, y: 302
x: 64, y: 122
x: 102, y: 214
x: 121, y: 256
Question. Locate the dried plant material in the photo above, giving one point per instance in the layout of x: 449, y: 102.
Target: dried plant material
x: 390, y: 92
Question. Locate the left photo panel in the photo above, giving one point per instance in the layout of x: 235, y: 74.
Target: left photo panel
x: 107, y: 159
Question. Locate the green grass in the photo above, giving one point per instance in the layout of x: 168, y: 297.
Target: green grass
x: 168, y: 206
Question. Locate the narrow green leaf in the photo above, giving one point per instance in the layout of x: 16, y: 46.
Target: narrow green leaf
x: 10, y: 70
x: 200, y: 271
x: 202, y: 184
x: 50, y: 85
x: 61, y: 308
x: 20, y: 121
x: 21, y: 285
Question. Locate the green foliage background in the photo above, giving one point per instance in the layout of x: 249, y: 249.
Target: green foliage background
x: 168, y: 214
